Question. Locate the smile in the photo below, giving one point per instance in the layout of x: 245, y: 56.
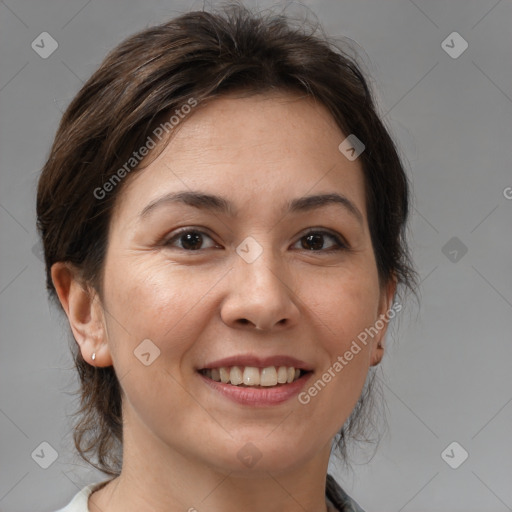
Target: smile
x: 253, y: 386
x: 251, y: 376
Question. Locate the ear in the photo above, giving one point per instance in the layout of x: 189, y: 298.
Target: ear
x: 85, y: 313
x: 382, y: 321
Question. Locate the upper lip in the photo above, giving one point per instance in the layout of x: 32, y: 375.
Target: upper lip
x: 259, y: 362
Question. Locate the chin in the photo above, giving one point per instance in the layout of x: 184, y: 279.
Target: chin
x: 256, y: 455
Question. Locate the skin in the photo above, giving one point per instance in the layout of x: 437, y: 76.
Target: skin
x: 181, y: 439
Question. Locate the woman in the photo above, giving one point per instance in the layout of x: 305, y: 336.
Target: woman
x: 223, y: 218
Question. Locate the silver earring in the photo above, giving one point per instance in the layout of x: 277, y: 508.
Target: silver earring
x: 93, y: 357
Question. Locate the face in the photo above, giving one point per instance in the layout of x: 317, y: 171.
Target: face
x: 255, y: 279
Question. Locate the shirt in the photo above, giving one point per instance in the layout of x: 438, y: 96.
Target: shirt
x: 337, y: 499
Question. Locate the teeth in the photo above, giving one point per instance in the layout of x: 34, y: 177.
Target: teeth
x: 216, y: 374
x: 282, y: 375
x: 252, y: 376
x: 268, y: 376
x: 236, y: 376
x: 224, y: 375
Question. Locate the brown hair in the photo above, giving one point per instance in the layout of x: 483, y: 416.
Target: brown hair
x: 200, y: 55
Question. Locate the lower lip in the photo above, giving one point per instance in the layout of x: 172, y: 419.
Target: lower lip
x: 261, y: 396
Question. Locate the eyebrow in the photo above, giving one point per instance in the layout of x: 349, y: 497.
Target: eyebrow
x: 219, y: 204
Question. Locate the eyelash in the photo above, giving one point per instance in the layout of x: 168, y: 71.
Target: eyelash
x: 340, y: 244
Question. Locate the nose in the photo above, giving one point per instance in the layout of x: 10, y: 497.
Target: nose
x: 261, y: 295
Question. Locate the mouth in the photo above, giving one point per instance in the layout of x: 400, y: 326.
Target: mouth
x: 255, y: 386
x: 254, y: 377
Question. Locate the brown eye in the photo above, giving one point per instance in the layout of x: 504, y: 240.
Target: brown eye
x: 189, y: 239
x: 314, y: 241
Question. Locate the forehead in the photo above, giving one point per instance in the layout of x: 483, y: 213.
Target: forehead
x: 270, y: 125
x: 255, y: 149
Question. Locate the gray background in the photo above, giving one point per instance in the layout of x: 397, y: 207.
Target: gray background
x: 447, y: 371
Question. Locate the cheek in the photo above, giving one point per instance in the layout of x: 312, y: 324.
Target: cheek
x: 160, y: 304
x: 340, y: 305
x: 346, y: 303
x: 157, y: 302
x: 345, y: 308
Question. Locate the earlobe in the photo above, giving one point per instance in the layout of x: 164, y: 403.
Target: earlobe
x: 377, y: 354
x: 387, y: 296
x: 84, y: 312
